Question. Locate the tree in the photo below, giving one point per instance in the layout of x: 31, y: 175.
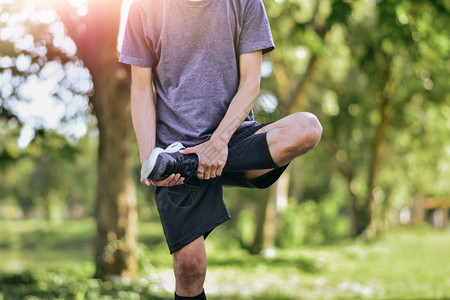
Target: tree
x: 393, y: 47
x: 359, y: 66
x: 52, y: 177
x: 94, y: 32
x: 300, y: 30
x: 116, y: 202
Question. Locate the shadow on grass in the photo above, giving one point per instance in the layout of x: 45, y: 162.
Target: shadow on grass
x: 59, y: 285
x: 304, y: 264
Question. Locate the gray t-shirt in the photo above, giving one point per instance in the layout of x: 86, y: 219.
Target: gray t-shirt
x: 193, y: 48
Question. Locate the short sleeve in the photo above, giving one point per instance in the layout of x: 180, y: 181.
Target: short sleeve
x: 137, y: 47
x: 255, y: 34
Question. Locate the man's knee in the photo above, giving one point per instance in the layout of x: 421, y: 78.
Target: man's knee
x: 190, y: 265
x: 312, y: 124
x: 306, y: 128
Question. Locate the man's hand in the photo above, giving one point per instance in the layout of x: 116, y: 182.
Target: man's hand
x: 172, y: 180
x: 212, y: 156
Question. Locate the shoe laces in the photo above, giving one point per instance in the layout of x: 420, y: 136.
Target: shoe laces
x: 183, y: 164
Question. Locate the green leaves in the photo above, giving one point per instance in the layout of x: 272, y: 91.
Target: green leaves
x: 340, y: 13
x: 375, y: 59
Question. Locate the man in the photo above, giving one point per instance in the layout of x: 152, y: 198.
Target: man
x: 204, y: 59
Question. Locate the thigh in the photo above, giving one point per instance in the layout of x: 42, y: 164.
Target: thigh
x: 262, y: 178
x: 291, y: 137
x: 284, y: 122
x: 253, y: 174
x: 267, y: 128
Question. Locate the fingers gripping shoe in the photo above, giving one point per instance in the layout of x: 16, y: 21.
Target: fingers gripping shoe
x: 164, y: 162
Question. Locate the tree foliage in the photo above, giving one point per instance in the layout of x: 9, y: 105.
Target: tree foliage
x: 35, y: 48
x: 373, y: 71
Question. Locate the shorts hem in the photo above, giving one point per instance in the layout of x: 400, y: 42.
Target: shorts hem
x: 238, y: 179
x: 179, y: 245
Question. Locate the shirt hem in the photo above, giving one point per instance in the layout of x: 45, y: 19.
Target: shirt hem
x: 265, y: 47
x: 135, y: 61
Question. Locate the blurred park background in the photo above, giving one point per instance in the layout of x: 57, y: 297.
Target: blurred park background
x: 364, y: 215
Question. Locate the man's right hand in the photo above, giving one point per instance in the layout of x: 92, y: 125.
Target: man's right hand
x: 172, y: 180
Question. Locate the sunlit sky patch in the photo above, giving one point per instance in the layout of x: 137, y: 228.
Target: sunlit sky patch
x: 266, y: 102
x: 43, y: 110
x: 54, y: 96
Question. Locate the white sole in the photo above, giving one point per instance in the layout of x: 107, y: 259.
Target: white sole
x: 151, y: 161
x: 174, y: 147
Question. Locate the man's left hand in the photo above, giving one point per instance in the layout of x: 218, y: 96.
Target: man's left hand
x: 212, y: 156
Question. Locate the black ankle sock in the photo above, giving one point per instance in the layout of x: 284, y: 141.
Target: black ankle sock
x: 250, y: 154
x: 202, y: 296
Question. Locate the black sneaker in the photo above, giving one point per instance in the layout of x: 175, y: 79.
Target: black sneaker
x: 164, y: 162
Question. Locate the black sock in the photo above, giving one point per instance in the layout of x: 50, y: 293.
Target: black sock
x: 202, y: 296
x: 250, y: 154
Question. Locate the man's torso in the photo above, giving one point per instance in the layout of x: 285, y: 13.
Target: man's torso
x: 195, y: 60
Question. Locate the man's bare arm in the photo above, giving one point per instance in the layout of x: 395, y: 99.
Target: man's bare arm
x: 243, y: 101
x: 213, y: 153
x: 143, y: 114
x: 143, y: 110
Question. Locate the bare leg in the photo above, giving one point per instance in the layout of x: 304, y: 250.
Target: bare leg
x: 289, y: 138
x: 189, y: 265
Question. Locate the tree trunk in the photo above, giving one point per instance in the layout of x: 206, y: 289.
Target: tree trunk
x: 418, y: 209
x: 371, y: 228
x: 296, y: 188
x: 274, y: 202
x: 116, y: 198
x: 95, y: 35
x: 354, y: 214
x: 282, y: 192
x: 261, y: 219
x: 270, y: 224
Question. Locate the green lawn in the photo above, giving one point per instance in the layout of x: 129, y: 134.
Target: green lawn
x: 54, y: 262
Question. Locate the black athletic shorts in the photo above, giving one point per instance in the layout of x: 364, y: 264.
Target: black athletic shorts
x: 195, y: 208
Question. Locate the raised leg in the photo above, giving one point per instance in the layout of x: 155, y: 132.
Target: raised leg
x: 189, y: 265
x: 289, y: 138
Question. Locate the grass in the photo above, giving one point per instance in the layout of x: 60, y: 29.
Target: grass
x: 54, y: 262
